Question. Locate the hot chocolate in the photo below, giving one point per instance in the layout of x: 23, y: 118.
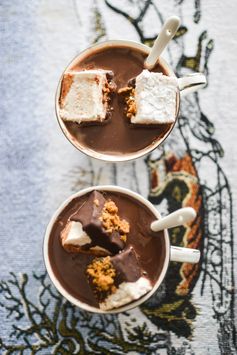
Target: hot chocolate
x: 116, y: 135
x: 133, y: 255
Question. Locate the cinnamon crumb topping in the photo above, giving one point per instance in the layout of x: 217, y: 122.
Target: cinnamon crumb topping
x: 126, y: 90
x: 102, y: 274
x: 123, y: 238
x: 112, y: 222
x: 129, y: 98
x: 111, y: 207
x: 108, y: 89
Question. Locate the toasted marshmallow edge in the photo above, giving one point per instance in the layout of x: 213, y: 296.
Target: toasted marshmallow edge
x: 155, y: 98
x: 84, y: 100
x: 126, y: 293
x: 73, y: 234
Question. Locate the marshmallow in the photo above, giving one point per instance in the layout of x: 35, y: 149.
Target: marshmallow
x: 155, y: 98
x: 117, y: 280
x: 90, y: 215
x: 82, y: 96
x: 74, y: 238
x: 87, y: 232
x: 73, y: 234
x: 126, y: 293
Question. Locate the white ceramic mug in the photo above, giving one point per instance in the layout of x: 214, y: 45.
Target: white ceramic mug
x: 172, y: 253
x: 186, y: 85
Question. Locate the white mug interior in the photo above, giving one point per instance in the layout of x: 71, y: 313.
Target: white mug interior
x: 103, y: 156
x: 76, y: 301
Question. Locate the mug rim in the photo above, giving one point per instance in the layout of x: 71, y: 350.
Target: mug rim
x: 122, y: 157
x: 56, y: 282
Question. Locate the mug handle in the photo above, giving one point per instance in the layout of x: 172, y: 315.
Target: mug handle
x: 191, y: 83
x: 184, y: 255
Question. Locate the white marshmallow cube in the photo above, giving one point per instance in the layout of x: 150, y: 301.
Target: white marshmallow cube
x: 155, y: 98
x: 83, y: 100
x: 126, y: 293
x: 73, y: 234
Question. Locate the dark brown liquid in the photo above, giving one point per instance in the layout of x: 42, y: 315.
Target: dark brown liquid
x: 117, y: 135
x: 69, y: 268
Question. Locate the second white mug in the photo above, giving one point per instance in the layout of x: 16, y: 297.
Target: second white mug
x: 172, y: 253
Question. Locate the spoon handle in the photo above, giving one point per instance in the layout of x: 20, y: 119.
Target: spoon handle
x: 184, y: 255
x: 166, y: 34
x: 177, y: 218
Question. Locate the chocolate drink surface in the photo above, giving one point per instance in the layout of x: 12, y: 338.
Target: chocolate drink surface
x: 70, y: 268
x: 116, y: 135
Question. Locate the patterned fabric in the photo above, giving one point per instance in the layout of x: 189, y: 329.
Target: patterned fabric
x: 193, y: 312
